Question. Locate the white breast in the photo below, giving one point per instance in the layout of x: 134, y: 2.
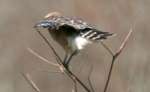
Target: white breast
x: 80, y: 42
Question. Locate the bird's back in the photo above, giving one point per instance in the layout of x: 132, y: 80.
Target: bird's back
x: 72, y: 33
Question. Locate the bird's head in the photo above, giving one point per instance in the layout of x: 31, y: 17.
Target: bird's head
x: 47, y: 23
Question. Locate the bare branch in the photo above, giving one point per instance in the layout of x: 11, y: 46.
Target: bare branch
x: 73, y: 76
x: 41, y: 70
x: 31, y: 82
x: 124, y: 43
x: 40, y: 57
x: 59, y: 61
x: 89, y: 80
x: 118, y: 52
x: 64, y: 69
x: 107, y: 48
x: 75, y: 86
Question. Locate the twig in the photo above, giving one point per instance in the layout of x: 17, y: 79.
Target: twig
x: 124, y: 43
x: 31, y: 82
x: 59, y: 61
x: 64, y: 69
x: 89, y: 80
x: 118, y: 52
x: 75, y: 86
x: 49, y: 71
x: 107, y: 48
x: 78, y: 80
x: 40, y: 57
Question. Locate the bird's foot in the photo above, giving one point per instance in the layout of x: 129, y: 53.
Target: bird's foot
x: 66, y: 66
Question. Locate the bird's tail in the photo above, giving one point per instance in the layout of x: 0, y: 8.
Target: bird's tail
x: 106, y: 35
x: 95, y: 35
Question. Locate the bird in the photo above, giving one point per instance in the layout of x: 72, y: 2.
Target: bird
x: 71, y: 33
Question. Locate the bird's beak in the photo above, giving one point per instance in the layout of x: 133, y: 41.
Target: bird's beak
x: 38, y: 26
x: 41, y: 25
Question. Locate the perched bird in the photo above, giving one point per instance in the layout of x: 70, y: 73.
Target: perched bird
x: 71, y: 33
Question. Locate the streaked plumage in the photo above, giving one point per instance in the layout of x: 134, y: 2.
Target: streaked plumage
x: 71, y: 33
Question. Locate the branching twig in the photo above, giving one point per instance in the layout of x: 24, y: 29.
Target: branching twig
x: 50, y: 71
x: 31, y: 82
x: 40, y: 57
x: 59, y: 61
x: 107, y: 48
x: 75, y: 86
x: 65, y: 70
x: 89, y: 80
x: 71, y: 75
x: 114, y: 57
x: 79, y: 81
x: 123, y: 43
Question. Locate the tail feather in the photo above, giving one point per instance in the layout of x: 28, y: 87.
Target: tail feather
x: 105, y: 35
x: 95, y: 35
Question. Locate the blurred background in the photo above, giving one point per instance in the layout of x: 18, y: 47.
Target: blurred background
x: 131, y: 71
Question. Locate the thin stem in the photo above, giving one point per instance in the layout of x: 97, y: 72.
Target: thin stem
x: 118, y: 52
x: 107, y: 48
x: 89, y: 80
x: 62, y: 67
x: 59, y: 61
x: 109, y: 74
x: 30, y: 81
x: 75, y: 86
x: 124, y: 43
x: 79, y: 81
x: 57, y: 72
x: 40, y: 57
x: 68, y: 59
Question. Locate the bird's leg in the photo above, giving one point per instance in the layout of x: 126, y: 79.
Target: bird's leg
x: 68, y: 58
x: 65, y: 58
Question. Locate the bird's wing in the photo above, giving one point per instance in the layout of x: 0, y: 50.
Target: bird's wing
x: 69, y: 21
x: 84, y: 29
x: 94, y: 34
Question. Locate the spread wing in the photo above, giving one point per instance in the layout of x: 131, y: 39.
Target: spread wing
x: 83, y: 29
x: 68, y: 21
x: 94, y: 34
